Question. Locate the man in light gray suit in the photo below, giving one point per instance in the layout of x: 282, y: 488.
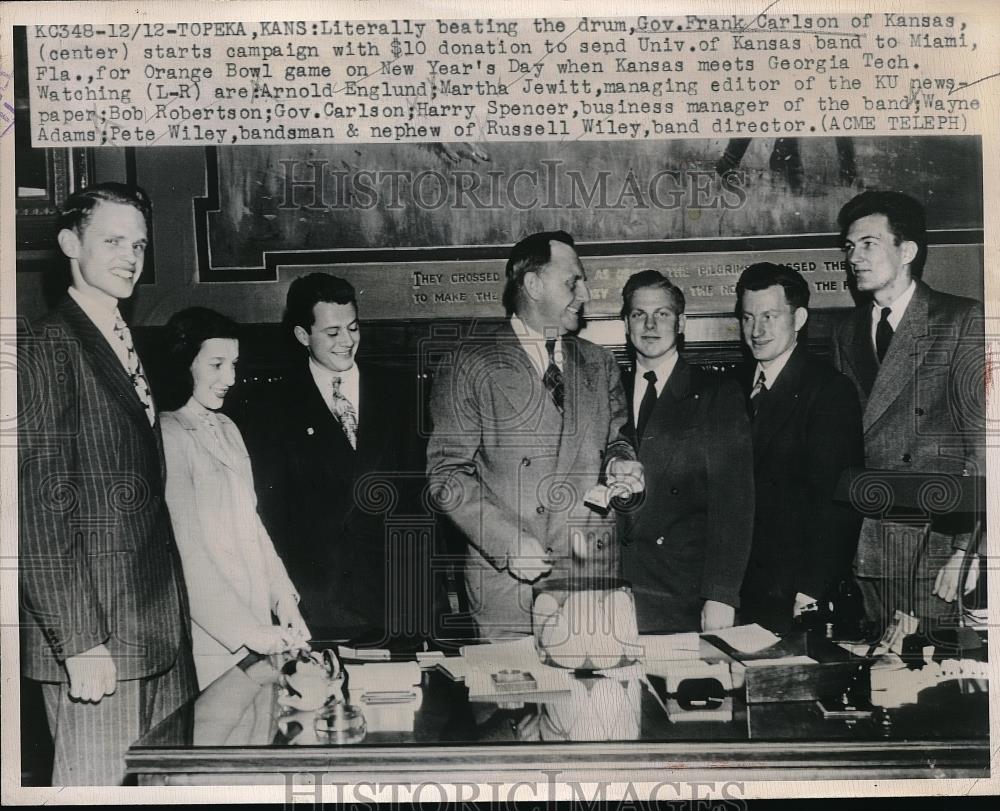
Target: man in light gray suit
x: 916, y: 358
x: 527, y: 417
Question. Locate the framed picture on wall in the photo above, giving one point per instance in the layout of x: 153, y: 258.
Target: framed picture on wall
x: 44, y: 177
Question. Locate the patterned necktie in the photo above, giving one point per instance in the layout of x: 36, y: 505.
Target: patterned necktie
x: 134, y: 368
x: 883, y: 334
x: 343, y: 410
x: 646, y: 406
x: 553, y: 378
x: 758, y: 393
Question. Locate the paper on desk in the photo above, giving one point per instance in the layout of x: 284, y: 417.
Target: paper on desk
x: 454, y: 667
x: 783, y: 660
x: 483, y: 661
x: 364, y: 654
x: 663, y: 647
x: 381, y: 677
x: 747, y: 638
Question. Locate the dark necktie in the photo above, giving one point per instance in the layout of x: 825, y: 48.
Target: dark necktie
x: 553, y: 378
x: 646, y: 406
x: 883, y: 334
x: 759, y: 393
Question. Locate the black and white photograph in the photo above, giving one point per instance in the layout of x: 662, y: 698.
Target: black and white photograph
x: 409, y: 402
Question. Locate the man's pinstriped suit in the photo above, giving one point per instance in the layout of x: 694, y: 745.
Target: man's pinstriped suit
x: 97, y: 558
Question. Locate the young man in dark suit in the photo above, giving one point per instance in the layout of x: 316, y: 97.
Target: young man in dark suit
x: 915, y: 356
x: 333, y: 452
x: 105, y: 625
x: 686, y: 547
x: 806, y: 429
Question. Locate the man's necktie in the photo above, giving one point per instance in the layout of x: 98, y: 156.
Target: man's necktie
x: 343, y: 410
x: 758, y: 393
x: 883, y: 334
x: 134, y: 368
x: 553, y: 378
x: 646, y: 406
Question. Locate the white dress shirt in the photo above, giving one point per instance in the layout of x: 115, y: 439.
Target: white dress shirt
x: 533, y: 343
x: 350, y: 385
x: 663, y: 371
x: 103, y: 316
x: 773, y: 369
x: 898, y: 307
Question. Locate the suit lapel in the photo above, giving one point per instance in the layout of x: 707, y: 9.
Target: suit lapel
x: 905, y: 353
x: 861, y: 354
x: 316, y: 415
x: 782, y: 398
x: 513, y: 372
x: 579, y: 387
x: 676, y: 389
x: 103, y: 360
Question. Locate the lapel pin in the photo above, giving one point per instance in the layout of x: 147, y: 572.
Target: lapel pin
x: 310, y: 430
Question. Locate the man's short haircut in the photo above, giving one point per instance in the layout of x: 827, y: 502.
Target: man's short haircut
x: 306, y: 292
x: 907, y: 221
x: 531, y: 254
x: 185, y: 332
x: 651, y: 278
x: 78, y: 208
x: 767, y: 274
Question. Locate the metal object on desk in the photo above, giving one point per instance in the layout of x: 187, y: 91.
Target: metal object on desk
x: 340, y: 723
x: 311, y: 679
x: 699, y: 691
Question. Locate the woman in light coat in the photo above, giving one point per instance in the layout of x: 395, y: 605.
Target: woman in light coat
x: 237, y: 584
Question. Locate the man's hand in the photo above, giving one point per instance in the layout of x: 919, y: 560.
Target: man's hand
x: 270, y: 639
x: 803, y: 602
x: 92, y: 674
x: 533, y: 562
x: 715, y: 616
x: 946, y: 582
x: 290, y: 618
x: 625, y: 477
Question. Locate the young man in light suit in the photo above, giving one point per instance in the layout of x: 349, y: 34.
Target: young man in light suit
x: 105, y: 625
x: 527, y: 417
x: 915, y: 356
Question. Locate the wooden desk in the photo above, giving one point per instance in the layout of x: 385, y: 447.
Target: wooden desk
x: 232, y: 734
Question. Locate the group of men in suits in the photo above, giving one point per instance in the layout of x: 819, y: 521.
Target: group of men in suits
x: 717, y: 504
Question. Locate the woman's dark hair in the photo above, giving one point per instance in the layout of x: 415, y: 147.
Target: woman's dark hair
x: 186, y: 331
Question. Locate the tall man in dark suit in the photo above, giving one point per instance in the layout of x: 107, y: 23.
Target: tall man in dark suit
x: 806, y: 428
x: 686, y: 547
x: 326, y: 447
x: 105, y: 626
x: 527, y: 419
x: 915, y: 356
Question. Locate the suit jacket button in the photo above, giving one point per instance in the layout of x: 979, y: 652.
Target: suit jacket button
x: 919, y: 412
x: 540, y: 509
x: 674, y: 491
x: 526, y: 461
x: 907, y: 458
x: 659, y: 541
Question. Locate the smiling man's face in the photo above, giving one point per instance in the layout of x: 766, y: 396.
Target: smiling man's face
x: 562, y: 290
x: 107, y: 250
x: 334, y: 336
